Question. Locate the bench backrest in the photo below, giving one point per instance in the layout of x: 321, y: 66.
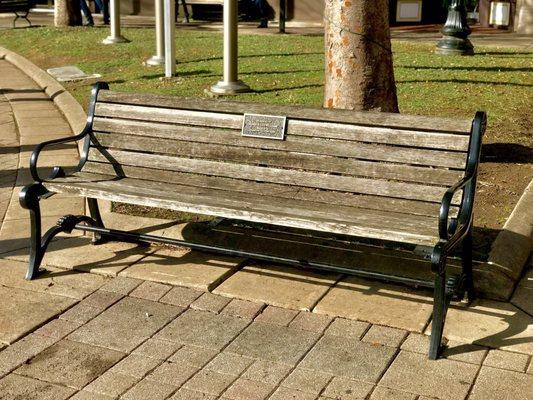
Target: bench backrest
x: 375, y: 160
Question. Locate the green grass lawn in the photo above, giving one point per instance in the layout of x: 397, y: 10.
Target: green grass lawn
x: 288, y: 69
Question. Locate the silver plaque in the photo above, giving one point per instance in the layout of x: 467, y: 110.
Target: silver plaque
x: 264, y: 126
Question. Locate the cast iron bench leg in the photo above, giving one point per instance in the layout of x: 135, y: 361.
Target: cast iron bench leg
x: 466, y: 262
x: 94, y: 211
x: 29, y: 199
x: 439, y: 315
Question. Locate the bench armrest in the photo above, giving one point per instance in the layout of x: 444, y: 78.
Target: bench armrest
x: 447, y: 226
x: 85, y: 134
x: 57, y: 171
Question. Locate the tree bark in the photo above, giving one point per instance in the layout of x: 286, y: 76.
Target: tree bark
x: 358, y: 56
x: 67, y: 13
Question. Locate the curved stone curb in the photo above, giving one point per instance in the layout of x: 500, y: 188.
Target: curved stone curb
x: 69, y: 107
x: 513, y: 245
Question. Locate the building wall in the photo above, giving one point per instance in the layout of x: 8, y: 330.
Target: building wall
x: 301, y: 10
x: 524, y: 17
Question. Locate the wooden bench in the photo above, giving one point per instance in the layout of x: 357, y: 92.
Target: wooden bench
x: 389, y: 178
x: 21, y: 9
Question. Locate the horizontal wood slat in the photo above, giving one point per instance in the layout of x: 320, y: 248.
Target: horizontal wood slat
x: 273, y: 190
x: 332, y: 147
x: 303, y: 161
x: 390, y: 120
x: 274, y: 175
x: 256, y: 208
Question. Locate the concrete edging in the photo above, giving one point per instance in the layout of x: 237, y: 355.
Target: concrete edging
x: 513, y: 245
x: 69, y: 107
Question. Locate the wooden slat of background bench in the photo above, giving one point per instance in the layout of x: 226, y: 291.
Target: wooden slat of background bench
x: 390, y: 120
x: 288, y: 212
x: 274, y: 175
x: 273, y: 190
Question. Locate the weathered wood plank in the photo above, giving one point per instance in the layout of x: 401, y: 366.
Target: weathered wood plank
x: 331, y: 130
x: 302, y: 161
x: 347, y: 220
x: 440, y: 124
x: 372, y: 134
x: 300, y: 144
x: 378, y: 187
x: 273, y: 190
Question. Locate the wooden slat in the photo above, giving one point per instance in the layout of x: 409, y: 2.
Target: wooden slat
x: 346, y: 220
x: 333, y: 147
x: 274, y: 175
x: 389, y: 120
x: 291, y: 160
x: 331, y: 130
x: 372, y: 134
x: 273, y: 190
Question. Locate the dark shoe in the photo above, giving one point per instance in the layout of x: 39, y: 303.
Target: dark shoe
x: 106, y: 22
x: 89, y: 23
x: 263, y: 24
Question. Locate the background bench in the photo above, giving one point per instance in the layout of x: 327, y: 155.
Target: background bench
x: 383, y: 177
x: 21, y: 8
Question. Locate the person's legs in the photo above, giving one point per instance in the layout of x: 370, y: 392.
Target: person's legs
x: 261, y: 9
x: 103, y: 5
x: 85, y: 10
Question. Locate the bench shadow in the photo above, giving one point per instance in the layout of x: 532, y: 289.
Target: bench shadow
x: 506, y: 153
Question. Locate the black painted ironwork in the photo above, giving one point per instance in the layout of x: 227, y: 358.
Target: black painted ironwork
x: 453, y: 232
x: 282, y: 15
x: 455, y: 32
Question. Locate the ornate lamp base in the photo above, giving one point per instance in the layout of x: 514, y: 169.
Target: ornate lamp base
x: 450, y: 45
x: 230, y: 88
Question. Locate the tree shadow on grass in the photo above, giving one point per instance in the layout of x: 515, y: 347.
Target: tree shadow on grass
x: 468, y: 68
x: 466, y: 81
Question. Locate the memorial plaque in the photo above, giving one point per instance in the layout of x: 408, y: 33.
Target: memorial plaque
x: 264, y: 126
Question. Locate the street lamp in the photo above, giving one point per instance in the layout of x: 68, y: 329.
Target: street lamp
x: 455, y: 32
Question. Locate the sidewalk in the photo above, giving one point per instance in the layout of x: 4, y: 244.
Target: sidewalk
x: 157, y: 323
x: 426, y: 33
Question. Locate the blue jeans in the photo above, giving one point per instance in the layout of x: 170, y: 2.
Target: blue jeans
x: 103, y: 5
x: 260, y: 7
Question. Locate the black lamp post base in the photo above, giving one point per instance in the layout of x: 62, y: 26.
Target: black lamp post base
x: 450, y: 45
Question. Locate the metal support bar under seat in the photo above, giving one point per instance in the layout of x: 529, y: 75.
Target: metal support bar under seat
x: 133, y: 236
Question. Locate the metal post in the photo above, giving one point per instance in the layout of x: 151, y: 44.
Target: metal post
x: 115, y: 36
x: 159, y: 57
x: 230, y: 83
x: 282, y: 15
x: 170, y: 45
x: 455, y: 32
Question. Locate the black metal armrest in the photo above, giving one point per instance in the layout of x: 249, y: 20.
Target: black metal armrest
x: 448, y: 228
x: 57, y: 171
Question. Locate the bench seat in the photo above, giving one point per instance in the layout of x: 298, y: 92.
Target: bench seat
x: 290, y: 212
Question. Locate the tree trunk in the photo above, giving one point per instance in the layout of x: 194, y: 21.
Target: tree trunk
x: 67, y: 13
x: 358, y: 57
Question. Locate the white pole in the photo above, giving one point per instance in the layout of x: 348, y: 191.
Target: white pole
x: 230, y: 83
x: 115, y: 36
x: 159, y: 57
x: 170, y: 45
